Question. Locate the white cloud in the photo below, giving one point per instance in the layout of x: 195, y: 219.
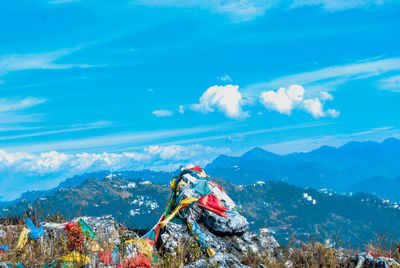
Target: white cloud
x: 312, y: 143
x: 333, y: 113
x: 282, y: 100
x: 226, y: 99
x: 314, y: 107
x: 391, y: 83
x: 162, y: 113
x: 225, y: 78
x: 245, y: 10
x: 337, y: 5
x: 23, y: 171
x: 179, y: 152
x: 238, y: 10
x: 12, y: 110
x: 111, y: 142
x: 46, y: 60
x: 66, y: 129
x: 7, y: 105
x: 285, y: 100
x: 245, y: 133
x: 326, y: 96
x: 63, y: 1
x: 181, y: 109
x: 331, y: 76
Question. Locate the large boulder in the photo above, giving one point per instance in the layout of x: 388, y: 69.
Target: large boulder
x: 177, y: 235
x: 212, y: 220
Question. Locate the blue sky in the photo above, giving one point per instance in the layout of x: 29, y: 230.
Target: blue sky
x: 90, y: 85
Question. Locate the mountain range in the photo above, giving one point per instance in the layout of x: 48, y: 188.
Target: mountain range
x: 369, y: 167
x: 313, y: 195
x: 272, y: 206
x: 345, y: 168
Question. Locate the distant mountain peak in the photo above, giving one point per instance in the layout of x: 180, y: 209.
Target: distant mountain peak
x: 258, y: 153
x: 391, y: 140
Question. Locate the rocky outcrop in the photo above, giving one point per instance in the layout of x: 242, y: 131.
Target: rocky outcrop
x: 367, y: 260
x: 239, y: 244
x: 213, y: 220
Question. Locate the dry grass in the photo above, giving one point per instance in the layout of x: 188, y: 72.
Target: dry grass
x: 37, y: 253
x: 187, y: 252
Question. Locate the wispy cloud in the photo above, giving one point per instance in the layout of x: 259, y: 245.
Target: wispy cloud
x: 238, y: 10
x: 113, y: 141
x: 12, y: 110
x: 244, y: 134
x: 337, y: 74
x: 11, y: 128
x: 7, y: 105
x: 73, y: 128
x: 46, y: 60
x: 391, y: 83
x: 337, y: 5
x: 311, y: 143
x: 225, y: 78
x: 63, y: 1
x: 246, y: 10
x: 162, y: 113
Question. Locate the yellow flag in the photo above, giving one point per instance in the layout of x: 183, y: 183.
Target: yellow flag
x: 23, y: 238
x: 75, y: 257
x: 185, y: 201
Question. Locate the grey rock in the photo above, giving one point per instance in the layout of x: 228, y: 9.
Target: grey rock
x: 239, y: 245
x: 233, y: 224
x: 175, y: 235
x: 104, y: 228
x: 365, y: 260
x: 220, y: 260
x: 2, y: 233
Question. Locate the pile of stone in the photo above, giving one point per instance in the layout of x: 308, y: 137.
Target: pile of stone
x: 215, y: 223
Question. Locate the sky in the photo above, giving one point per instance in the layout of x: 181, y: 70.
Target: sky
x: 131, y: 84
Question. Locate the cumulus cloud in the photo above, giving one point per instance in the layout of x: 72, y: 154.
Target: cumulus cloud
x: 285, y: 100
x: 225, y: 99
x: 162, y: 113
x: 21, y: 171
x: 326, y: 96
x: 314, y: 107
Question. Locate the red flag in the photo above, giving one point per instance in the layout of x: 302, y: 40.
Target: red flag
x: 196, y: 168
x: 213, y: 204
